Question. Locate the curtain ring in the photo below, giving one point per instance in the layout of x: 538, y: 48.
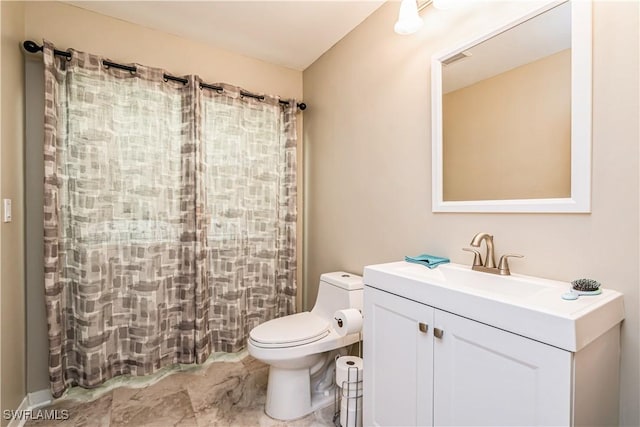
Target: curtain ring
x: 68, y: 58
x: 105, y: 65
x: 166, y: 80
x: 220, y: 90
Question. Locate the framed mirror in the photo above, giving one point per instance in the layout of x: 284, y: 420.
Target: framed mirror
x: 511, y: 116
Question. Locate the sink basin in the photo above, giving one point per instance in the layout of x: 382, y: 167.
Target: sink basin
x: 529, y: 306
x: 514, y: 286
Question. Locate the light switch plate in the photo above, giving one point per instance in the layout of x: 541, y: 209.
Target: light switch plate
x: 7, y: 210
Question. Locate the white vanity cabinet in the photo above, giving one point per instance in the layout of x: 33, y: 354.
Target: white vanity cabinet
x: 426, y: 364
x: 398, y: 387
x: 487, y: 376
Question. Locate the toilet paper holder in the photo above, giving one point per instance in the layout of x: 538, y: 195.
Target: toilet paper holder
x: 348, y: 398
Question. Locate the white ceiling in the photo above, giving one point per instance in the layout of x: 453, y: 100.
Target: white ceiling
x: 291, y: 33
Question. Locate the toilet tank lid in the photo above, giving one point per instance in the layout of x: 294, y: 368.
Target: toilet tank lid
x: 343, y: 280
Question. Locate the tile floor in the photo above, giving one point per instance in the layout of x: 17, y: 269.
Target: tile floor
x: 221, y: 393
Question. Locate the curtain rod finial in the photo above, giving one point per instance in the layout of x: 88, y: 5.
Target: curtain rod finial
x: 31, y: 46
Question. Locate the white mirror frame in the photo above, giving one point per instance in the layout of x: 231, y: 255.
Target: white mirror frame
x: 581, y: 94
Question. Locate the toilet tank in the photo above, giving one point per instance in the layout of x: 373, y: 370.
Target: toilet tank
x: 337, y: 291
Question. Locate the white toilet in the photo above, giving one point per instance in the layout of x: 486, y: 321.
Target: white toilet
x: 300, y: 349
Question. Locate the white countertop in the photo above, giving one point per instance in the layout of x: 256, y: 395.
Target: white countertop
x: 525, y: 305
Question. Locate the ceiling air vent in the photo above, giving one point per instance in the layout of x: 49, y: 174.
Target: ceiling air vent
x: 456, y: 57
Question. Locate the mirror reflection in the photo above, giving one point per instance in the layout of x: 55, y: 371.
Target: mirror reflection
x: 506, y: 114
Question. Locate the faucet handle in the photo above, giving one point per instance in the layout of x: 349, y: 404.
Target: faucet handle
x: 503, y: 265
x: 477, y: 258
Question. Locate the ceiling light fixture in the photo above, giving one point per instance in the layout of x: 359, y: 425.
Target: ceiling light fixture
x: 408, y: 19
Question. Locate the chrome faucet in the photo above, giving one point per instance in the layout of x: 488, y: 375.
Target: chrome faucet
x: 489, y: 265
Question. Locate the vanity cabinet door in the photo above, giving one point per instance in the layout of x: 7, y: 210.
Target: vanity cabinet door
x: 398, y: 354
x: 487, y: 376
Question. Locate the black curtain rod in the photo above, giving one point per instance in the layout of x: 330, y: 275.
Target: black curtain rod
x: 33, y: 47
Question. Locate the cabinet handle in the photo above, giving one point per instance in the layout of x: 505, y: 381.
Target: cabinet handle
x: 437, y: 332
x: 423, y: 327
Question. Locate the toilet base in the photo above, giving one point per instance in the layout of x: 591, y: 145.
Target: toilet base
x: 286, y: 402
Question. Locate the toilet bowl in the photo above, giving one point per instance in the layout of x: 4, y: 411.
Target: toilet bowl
x: 300, y: 349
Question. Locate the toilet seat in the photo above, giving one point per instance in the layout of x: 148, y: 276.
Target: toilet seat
x: 290, y: 331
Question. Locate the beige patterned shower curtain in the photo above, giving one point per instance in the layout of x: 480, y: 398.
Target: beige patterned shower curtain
x: 170, y: 218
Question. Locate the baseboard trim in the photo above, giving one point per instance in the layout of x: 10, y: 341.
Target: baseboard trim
x: 31, y: 401
x: 40, y: 398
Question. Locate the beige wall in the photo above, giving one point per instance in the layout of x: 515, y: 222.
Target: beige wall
x: 37, y: 356
x: 67, y: 26
x: 506, y: 140
x: 12, y: 311
x: 367, y: 142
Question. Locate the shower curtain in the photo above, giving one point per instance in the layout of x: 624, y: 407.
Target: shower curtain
x: 170, y: 218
